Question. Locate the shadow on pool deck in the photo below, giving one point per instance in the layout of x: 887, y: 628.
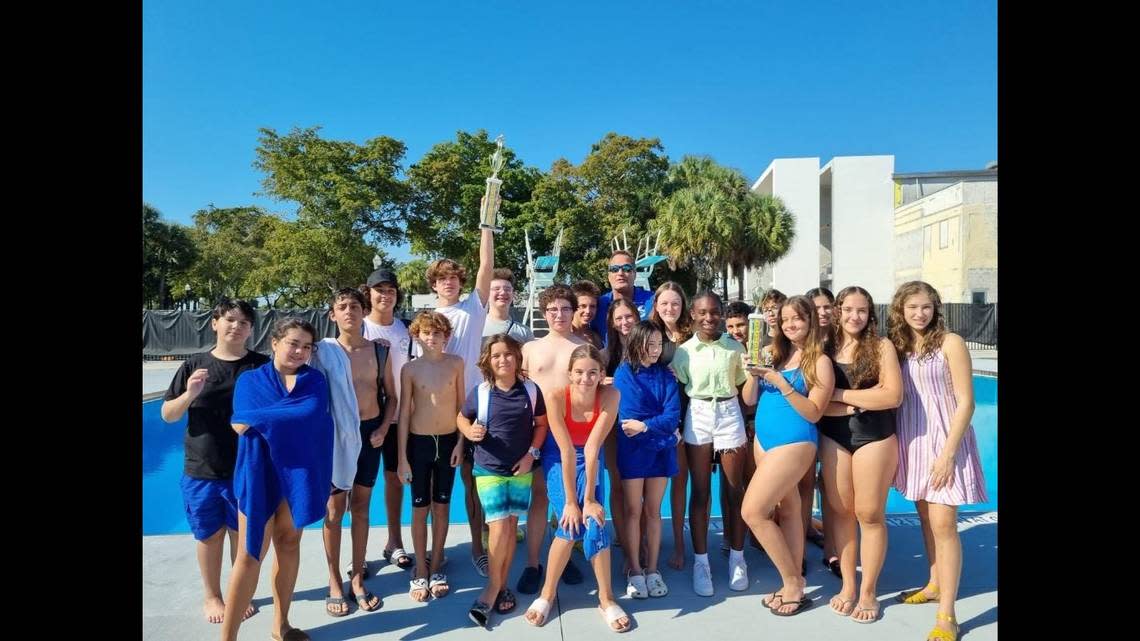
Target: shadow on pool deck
x: 172, y: 595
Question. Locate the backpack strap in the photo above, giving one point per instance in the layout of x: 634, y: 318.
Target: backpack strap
x: 381, y: 360
x: 484, y: 403
x: 532, y: 392
x: 411, y: 342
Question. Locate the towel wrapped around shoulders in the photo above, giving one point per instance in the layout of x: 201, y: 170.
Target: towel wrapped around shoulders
x: 286, y: 454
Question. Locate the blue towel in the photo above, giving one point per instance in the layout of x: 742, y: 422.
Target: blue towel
x: 594, y: 538
x: 287, y: 451
x: 649, y: 395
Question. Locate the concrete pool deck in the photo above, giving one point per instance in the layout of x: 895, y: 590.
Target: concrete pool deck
x: 172, y: 595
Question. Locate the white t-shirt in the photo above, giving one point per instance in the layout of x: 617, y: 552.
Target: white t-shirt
x: 398, y: 337
x: 517, y: 331
x: 467, y: 319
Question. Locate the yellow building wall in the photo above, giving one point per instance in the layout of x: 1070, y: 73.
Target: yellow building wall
x: 970, y: 236
x: 981, y: 237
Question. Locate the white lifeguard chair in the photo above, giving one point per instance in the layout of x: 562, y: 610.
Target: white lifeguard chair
x: 540, y: 274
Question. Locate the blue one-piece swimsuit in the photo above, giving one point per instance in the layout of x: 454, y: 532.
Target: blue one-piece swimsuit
x: 777, y: 422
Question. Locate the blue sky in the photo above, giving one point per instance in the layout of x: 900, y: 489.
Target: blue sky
x: 743, y: 82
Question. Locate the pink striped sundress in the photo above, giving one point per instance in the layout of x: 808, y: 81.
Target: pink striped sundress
x: 923, y: 427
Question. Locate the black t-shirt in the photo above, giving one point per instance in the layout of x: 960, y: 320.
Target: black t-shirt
x: 510, y: 427
x: 210, y: 442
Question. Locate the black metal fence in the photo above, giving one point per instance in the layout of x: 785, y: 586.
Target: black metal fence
x: 975, y: 323
x: 170, y: 335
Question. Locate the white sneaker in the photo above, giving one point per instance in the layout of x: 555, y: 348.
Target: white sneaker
x: 738, y: 576
x: 702, y: 579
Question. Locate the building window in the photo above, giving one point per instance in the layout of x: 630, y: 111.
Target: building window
x: 944, y: 234
x: 978, y: 297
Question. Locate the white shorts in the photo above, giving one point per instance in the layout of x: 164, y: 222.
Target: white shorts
x: 716, y: 422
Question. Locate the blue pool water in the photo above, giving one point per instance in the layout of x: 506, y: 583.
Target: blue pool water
x: 162, y: 467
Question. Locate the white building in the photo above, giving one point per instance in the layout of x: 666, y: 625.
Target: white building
x: 844, y: 215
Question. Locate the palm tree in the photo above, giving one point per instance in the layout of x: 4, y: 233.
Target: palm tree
x: 699, y: 225
x: 769, y: 229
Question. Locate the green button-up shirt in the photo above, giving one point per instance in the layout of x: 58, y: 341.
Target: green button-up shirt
x: 710, y: 369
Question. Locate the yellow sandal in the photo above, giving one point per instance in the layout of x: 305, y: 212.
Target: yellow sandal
x: 938, y: 634
x: 917, y: 597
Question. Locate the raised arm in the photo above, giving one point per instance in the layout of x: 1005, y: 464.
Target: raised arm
x: 486, y: 265
x: 174, y: 409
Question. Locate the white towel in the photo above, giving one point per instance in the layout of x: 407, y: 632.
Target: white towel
x: 331, y: 360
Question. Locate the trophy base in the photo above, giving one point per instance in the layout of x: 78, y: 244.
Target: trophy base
x: 493, y: 228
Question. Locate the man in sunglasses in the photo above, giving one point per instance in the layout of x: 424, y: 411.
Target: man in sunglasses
x: 621, y: 275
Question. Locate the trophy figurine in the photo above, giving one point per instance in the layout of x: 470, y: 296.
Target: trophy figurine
x: 489, y: 209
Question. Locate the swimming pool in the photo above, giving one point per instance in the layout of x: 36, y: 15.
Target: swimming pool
x: 162, y: 467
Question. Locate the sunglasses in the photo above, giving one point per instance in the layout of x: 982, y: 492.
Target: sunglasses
x: 627, y: 268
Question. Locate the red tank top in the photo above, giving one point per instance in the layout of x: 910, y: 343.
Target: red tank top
x: 580, y: 430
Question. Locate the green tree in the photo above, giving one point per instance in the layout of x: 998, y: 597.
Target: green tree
x: 770, y: 229
x: 168, y: 253
x: 614, y: 189
x: 699, y: 224
x: 712, y: 221
x: 231, y: 246
x: 337, y: 184
x: 310, y: 262
x: 413, y: 276
x: 447, y: 185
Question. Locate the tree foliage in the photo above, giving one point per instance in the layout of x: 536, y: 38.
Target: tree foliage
x: 354, y: 200
x: 168, y: 252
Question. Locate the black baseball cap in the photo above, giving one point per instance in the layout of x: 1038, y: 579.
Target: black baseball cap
x: 382, y: 276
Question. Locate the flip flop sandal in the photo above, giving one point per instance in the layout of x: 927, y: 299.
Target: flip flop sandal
x: 843, y: 605
x: 365, y: 574
x: 481, y: 564
x: 480, y: 613
x: 878, y: 612
x: 403, y: 559
x: 362, y: 601
x: 801, y: 605
x: 506, y: 596
x: 419, y: 584
x: 337, y: 601
x: 439, y: 580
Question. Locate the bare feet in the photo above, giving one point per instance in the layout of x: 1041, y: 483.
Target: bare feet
x: 677, y: 561
x: 214, y: 609
x: 249, y: 611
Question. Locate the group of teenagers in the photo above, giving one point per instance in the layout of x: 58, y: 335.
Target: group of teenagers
x: 649, y: 386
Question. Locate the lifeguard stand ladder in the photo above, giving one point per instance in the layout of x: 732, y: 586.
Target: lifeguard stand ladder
x: 540, y: 274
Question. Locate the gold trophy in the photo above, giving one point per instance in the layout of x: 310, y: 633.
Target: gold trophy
x: 756, y: 329
x: 489, y: 211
